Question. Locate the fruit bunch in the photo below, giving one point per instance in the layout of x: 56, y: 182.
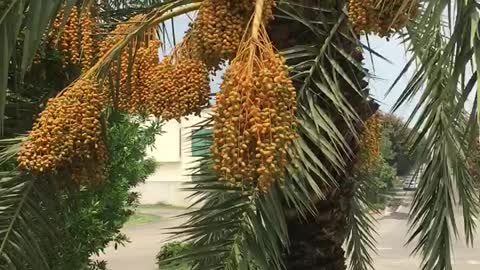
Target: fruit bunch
x: 219, y: 27
x: 133, y: 77
x: 122, y: 80
x: 369, y: 145
x: 177, y: 88
x: 254, y: 116
x: 268, y: 5
x: 76, y: 42
x: 134, y: 89
x: 134, y: 72
x: 88, y: 43
x: 118, y: 33
x: 382, y: 17
x: 69, y: 39
x: 68, y: 133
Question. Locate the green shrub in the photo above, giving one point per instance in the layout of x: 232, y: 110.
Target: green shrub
x: 381, y: 173
x: 171, y: 250
x: 381, y: 183
x: 94, y: 216
x: 396, y: 132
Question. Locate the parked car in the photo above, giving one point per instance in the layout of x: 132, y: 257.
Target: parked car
x: 410, y: 184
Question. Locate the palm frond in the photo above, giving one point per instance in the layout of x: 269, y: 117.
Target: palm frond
x: 361, y: 229
x: 319, y: 75
x: 122, y: 10
x: 31, y: 19
x: 30, y: 229
x: 10, y: 148
x: 442, y: 43
x: 322, y: 70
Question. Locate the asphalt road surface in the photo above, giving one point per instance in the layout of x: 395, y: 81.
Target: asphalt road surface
x: 394, y: 255
x: 392, y: 252
x: 146, y: 241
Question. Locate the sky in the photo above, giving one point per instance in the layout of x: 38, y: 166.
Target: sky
x: 384, y: 73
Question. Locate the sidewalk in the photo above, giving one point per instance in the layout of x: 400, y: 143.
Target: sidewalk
x: 146, y: 240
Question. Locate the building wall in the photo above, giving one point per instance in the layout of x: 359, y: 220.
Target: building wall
x: 173, y: 153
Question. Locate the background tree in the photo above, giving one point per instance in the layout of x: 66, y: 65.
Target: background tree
x: 397, y: 134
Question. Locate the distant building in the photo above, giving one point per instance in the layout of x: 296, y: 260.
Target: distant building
x: 176, y: 154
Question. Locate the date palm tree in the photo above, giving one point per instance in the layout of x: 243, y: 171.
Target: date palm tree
x: 304, y: 219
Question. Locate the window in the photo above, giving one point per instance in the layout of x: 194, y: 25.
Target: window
x: 201, y: 142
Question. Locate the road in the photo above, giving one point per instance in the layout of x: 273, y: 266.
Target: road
x: 146, y: 241
x: 394, y: 255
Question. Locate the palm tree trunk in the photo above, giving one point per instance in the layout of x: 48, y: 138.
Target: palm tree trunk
x: 316, y: 242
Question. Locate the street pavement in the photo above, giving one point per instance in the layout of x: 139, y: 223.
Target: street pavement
x: 394, y: 254
x: 146, y: 241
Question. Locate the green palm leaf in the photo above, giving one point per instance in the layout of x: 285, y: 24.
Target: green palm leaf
x: 361, y: 228
x: 444, y: 48
x: 31, y: 19
x: 30, y: 229
x: 328, y: 119
x: 10, y: 22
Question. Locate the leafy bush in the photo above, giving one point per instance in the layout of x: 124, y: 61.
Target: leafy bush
x: 381, y: 183
x: 377, y: 157
x: 94, y: 216
x: 396, y: 132
x: 171, y: 250
x: 177, y: 249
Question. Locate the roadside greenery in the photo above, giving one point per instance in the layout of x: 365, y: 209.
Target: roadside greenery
x: 92, y: 217
x: 382, y: 180
x: 374, y: 167
x: 396, y: 148
x: 95, y: 216
x: 171, y: 250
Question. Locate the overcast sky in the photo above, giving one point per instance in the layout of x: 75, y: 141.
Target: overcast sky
x: 385, y: 73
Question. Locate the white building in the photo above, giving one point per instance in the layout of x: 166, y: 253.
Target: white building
x: 173, y: 152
